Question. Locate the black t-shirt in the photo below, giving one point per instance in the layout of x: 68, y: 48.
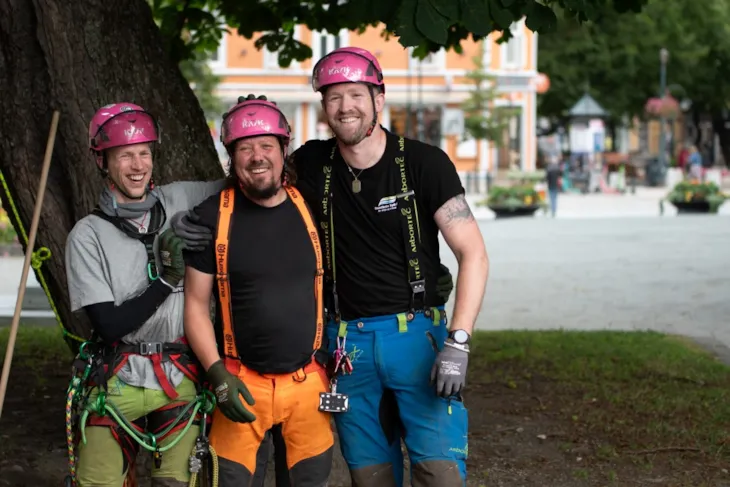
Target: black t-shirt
x: 370, y: 256
x: 271, y: 266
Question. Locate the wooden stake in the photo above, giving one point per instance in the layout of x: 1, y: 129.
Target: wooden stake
x: 28, y: 256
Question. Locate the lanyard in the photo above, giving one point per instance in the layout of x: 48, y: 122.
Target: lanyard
x: 410, y: 230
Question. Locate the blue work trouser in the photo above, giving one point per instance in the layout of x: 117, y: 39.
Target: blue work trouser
x: 391, y: 396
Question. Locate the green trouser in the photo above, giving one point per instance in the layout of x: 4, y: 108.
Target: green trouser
x: 100, y: 460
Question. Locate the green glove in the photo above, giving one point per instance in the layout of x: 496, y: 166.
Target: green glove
x: 444, y: 284
x: 171, y: 255
x: 227, y: 388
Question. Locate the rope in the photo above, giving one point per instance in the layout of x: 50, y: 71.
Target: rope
x: 37, y: 259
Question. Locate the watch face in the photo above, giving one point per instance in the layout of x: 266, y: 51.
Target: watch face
x: 460, y: 336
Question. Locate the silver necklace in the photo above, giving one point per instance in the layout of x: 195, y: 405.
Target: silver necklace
x: 141, y: 227
x: 356, y: 183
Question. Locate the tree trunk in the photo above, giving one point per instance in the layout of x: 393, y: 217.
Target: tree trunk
x: 76, y: 57
x: 721, y: 126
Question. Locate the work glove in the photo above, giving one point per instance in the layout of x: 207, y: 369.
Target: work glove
x: 187, y: 226
x: 171, y: 256
x: 449, y: 370
x: 227, y: 388
x: 444, y: 284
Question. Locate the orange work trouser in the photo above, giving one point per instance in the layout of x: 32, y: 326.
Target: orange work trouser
x: 291, y: 400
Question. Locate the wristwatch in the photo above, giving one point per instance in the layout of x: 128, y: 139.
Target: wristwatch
x: 460, y: 336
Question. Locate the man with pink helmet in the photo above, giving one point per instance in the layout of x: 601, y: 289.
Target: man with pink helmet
x: 125, y: 269
x: 382, y: 201
x: 263, y: 352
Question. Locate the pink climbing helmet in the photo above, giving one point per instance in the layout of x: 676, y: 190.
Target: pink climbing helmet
x: 121, y: 124
x: 254, y: 117
x: 347, y: 65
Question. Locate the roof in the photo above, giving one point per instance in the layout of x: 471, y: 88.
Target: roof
x: 587, y: 107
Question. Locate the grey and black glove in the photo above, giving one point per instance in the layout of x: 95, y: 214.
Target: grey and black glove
x: 449, y: 369
x: 171, y: 257
x: 444, y: 283
x: 187, y: 226
x: 228, y: 388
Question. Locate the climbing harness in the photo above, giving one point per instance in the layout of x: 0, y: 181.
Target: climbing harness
x: 85, y: 376
x: 231, y: 357
x: 157, y: 219
x: 37, y: 258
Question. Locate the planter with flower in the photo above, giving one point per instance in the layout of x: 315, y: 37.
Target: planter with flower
x: 511, y: 201
x: 696, y: 197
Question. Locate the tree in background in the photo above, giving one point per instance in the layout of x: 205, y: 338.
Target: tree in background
x: 77, y: 56
x: 616, y: 58
x: 482, y: 119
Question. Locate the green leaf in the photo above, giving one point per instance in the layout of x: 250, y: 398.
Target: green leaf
x: 507, y: 3
x: 475, y: 16
x: 431, y: 23
x: 541, y: 19
x: 405, y: 25
x: 447, y: 8
x: 501, y: 16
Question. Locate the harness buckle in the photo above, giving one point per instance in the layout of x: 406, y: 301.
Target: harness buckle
x: 418, y: 286
x: 150, y: 348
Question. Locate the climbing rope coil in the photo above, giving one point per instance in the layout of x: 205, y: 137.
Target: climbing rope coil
x: 78, y: 407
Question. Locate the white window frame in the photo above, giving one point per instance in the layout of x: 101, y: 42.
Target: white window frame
x: 435, y: 61
x: 221, y: 62
x: 344, y: 37
x: 271, y: 59
x: 487, y: 58
x: 515, y: 46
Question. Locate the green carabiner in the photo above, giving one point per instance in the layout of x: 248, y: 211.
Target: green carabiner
x: 152, y: 275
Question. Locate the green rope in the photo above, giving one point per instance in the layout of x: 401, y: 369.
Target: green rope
x: 203, y: 402
x: 37, y: 259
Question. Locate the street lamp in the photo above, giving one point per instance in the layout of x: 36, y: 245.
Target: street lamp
x: 663, y: 58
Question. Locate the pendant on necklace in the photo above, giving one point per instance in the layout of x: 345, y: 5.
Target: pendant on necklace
x: 356, y: 186
x: 142, y: 229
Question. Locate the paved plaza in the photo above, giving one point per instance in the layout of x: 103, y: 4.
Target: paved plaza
x: 606, y: 262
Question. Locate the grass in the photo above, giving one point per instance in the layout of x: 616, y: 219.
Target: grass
x: 36, y: 347
x: 638, y: 390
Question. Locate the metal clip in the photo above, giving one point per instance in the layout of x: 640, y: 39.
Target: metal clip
x: 150, y: 348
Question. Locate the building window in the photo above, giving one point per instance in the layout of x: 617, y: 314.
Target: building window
x: 271, y: 59
x: 217, y: 60
x: 323, y: 43
x: 433, y: 62
x: 422, y: 124
x: 513, y: 50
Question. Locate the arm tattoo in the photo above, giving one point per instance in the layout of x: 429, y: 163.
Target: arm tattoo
x: 456, y: 209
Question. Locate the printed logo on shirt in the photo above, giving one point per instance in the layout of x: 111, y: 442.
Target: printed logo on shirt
x: 390, y: 203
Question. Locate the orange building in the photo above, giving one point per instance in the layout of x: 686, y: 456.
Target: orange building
x: 433, y: 89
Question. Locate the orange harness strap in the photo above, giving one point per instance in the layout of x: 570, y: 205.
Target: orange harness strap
x: 225, y: 211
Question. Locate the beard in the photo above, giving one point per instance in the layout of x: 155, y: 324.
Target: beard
x: 349, y: 135
x: 258, y: 187
x: 261, y: 191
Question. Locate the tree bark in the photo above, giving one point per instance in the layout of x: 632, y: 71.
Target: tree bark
x: 721, y: 126
x: 76, y: 56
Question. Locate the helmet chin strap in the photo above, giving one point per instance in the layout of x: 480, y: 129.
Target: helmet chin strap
x: 375, y: 112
